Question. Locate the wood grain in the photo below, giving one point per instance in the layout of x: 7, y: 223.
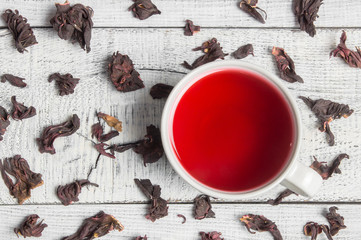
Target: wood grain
x: 206, y: 13
x: 290, y: 219
x: 157, y: 54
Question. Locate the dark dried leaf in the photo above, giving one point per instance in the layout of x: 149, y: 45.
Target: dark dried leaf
x: 20, y: 29
x: 182, y: 216
x: 336, y: 221
x: 141, y: 238
x: 74, y: 23
x: 51, y: 133
x: 326, y: 171
x: 29, y: 228
x: 282, y: 195
x: 286, y: 66
x: 123, y: 75
x: 97, y: 132
x: 249, y: 6
x: 352, y: 58
x: 260, y: 223
x: 66, y: 83
x: 69, y: 193
x: 4, y: 121
x: 13, y: 80
x: 158, y: 207
x: 306, y: 13
x: 190, y: 28
x: 96, y: 226
x: 100, y: 147
x: 111, y: 121
x: 212, y: 51
x: 143, y: 9
x: 160, y: 90
x: 243, y: 51
x: 25, y: 179
x: 326, y: 111
x: 20, y: 112
x: 211, y: 236
x: 203, y: 207
x: 314, y: 229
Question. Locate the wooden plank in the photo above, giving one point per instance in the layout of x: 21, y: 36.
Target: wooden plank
x: 206, y: 13
x: 157, y: 53
x: 290, y: 219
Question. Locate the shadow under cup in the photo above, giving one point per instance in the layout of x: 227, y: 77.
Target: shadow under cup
x: 232, y: 130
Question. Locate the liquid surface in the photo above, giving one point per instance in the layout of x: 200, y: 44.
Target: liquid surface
x: 233, y: 130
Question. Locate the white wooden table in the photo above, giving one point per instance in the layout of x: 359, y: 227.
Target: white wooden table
x: 157, y: 46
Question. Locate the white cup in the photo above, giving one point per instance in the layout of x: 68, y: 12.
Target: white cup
x: 295, y: 175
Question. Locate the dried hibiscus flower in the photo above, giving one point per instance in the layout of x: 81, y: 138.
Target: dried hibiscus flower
x: 143, y: 9
x: 352, y: 58
x: 326, y: 171
x: 51, y: 133
x: 336, y: 221
x: 20, y: 29
x: 190, y: 28
x: 20, y: 112
x: 4, y: 121
x: 326, y: 111
x: 29, y: 228
x: 286, y: 66
x: 211, y: 236
x: 212, y: 51
x: 243, y: 51
x: 260, y: 223
x: 249, y: 6
x: 111, y: 121
x: 100, y: 147
x: 26, y: 180
x: 141, y: 238
x: 158, y: 207
x: 74, y: 23
x: 13, y: 80
x: 306, y: 13
x: 66, y: 83
x: 314, y: 229
x: 203, y: 207
x: 96, y: 226
x: 282, y: 195
x: 69, y: 193
x: 97, y: 132
x: 123, y: 75
x: 160, y: 90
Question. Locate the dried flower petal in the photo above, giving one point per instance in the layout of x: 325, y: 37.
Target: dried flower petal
x: 160, y: 90
x: 249, y: 6
x: 282, y: 195
x: 336, y: 221
x: 212, y: 51
x: 111, y: 121
x: 20, y: 112
x: 143, y: 9
x: 313, y: 229
x: 352, y: 58
x: 96, y: 226
x: 326, y: 111
x: 100, y: 147
x: 211, y: 236
x: 158, y: 207
x: 13, y: 80
x: 74, y: 23
x: 51, y: 133
x: 260, y: 223
x: 4, y: 121
x: 20, y: 29
x: 243, y: 51
x: 25, y: 179
x: 182, y: 216
x: 123, y: 75
x: 66, y: 83
x: 286, y: 66
x: 190, y: 28
x: 124, y: 147
x: 306, y: 13
x: 97, y: 132
x: 29, y: 228
x: 203, y: 207
x: 326, y: 171
x: 141, y: 238
x: 69, y: 193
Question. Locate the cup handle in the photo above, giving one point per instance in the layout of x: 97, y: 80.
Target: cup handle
x: 302, y: 180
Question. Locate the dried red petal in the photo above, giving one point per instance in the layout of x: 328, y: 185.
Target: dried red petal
x: 29, y: 228
x: 249, y: 6
x: 100, y: 147
x: 211, y: 236
x: 286, y: 66
x: 20, y: 112
x: 336, y: 221
x: 261, y: 223
x: 69, y: 193
x: 143, y: 9
x: 4, y: 121
x: 282, y: 195
x: 203, y: 207
x: 190, y: 28
x: 14, y: 80
x: 306, y: 13
x: 327, y: 171
x: 160, y: 90
x: 352, y: 58
x: 66, y: 83
x: 243, y: 51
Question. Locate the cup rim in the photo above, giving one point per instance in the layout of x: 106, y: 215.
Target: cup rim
x: 167, y: 143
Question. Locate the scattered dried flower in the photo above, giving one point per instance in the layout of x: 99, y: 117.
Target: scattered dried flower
x: 66, y: 83
x: 249, y: 6
x: 306, y: 13
x: 4, y: 121
x: 13, y: 80
x: 111, y: 121
x: 336, y: 221
x: 286, y: 66
x: 326, y: 171
x: 97, y: 132
x: 69, y: 193
x: 141, y: 238
x: 20, y: 112
x: 26, y: 180
x: 203, y: 207
x: 190, y: 28
x: 243, y: 51
x: 100, y: 147
x: 143, y: 9
x: 352, y: 58
x: 282, y: 195
x: 314, y: 229
x: 29, y: 228
x: 160, y: 90
x: 260, y: 223
x: 211, y: 236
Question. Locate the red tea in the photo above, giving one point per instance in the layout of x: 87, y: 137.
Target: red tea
x: 233, y: 130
